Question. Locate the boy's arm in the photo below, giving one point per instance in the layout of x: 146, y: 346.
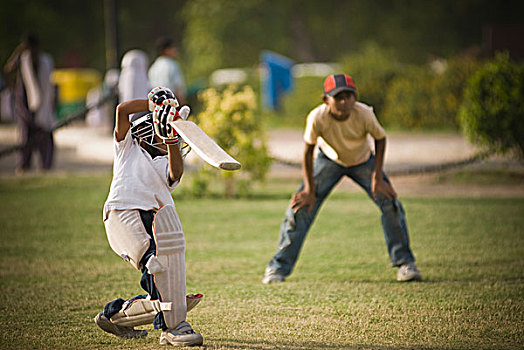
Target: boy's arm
x: 123, y: 110
x: 377, y: 179
x: 14, y: 59
x: 176, y: 163
x: 307, y: 196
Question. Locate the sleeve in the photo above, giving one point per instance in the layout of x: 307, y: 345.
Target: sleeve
x: 373, y: 126
x: 311, y: 132
x: 173, y: 185
x: 122, y: 146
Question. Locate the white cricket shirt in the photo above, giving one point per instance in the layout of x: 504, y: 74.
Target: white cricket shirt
x: 139, y: 181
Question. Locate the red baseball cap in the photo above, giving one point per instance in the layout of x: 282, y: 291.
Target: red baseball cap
x: 336, y: 83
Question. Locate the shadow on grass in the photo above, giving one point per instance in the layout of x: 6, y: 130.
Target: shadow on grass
x: 306, y: 345
x: 250, y: 197
x: 435, y: 280
x: 259, y: 196
x: 478, y: 279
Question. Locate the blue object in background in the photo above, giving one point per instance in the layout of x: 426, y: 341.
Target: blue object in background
x: 277, y: 80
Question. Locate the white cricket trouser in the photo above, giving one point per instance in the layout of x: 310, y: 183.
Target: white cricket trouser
x: 127, y: 235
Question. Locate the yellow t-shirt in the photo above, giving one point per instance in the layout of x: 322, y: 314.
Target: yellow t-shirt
x: 345, y: 142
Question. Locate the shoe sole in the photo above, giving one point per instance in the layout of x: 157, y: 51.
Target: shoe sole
x: 273, y: 279
x: 195, y: 342
x: 412, y: 279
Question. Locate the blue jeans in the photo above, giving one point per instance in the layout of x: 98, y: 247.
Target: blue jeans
x: 326, y: 174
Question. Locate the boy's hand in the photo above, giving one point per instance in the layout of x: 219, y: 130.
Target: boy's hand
x: 162, y: 118
x: 379, y: 185
x: 303, y: 199
x: 161, y: 96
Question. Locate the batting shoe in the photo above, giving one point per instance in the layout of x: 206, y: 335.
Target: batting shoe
x: 181, y: 335
x: 272, y: 277
x: 120, y: 331
x: 408, y: 272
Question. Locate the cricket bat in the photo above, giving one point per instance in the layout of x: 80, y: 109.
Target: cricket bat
x: 204, y: 146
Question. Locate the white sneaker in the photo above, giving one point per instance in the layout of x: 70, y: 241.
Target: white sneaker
x: 120, y: 331
x: 272, y: 277
x: 408, y: 272
x: 181, y: 335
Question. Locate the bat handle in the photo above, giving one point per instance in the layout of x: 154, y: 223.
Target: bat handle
x: 184, y: 112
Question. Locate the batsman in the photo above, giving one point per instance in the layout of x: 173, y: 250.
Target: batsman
x: 141, y: 222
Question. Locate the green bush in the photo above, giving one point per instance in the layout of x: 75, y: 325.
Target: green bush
x: 448, y: 91
x: 406, y: 97
x: 306, y: 95
x: 428, y: 97
x: 373, y: 68
x: 407, y: 102
x: 229, y: 118
x: 492, y: 113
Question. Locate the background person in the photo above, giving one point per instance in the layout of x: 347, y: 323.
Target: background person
x: 34, y: 101
x: 165, y: 70
x: 341, y: 126
x: 133, y: 82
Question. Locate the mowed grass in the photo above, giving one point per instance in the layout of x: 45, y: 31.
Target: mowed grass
x: 58, y: 271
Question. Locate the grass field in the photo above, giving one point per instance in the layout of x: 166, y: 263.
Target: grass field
x: 58, y: 271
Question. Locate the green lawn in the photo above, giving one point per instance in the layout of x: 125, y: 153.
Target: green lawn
x: 57, y: 272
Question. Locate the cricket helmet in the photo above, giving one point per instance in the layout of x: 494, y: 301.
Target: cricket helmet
x: 142, y: 129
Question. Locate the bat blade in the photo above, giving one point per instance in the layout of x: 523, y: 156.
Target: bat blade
x: 204, y: 146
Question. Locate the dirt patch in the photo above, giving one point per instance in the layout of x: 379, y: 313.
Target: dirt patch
x: 496, y: 177
x: 84, y: 151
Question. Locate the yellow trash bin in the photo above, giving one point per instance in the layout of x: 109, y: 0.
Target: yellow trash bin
x: 73, y: 85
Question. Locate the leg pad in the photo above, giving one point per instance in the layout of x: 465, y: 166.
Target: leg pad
x: 143, y: 311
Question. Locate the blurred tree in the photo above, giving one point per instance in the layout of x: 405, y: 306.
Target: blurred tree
x: 228, y: 33
x: 72, y: 31
x: 373, y: 67
x: 141, y: 23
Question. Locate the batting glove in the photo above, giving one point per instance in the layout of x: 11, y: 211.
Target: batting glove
x: 162, y: 118
x: 161, y: 96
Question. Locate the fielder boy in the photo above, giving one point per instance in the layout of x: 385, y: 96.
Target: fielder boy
x: 341, y: 126
x: 142, y: 225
